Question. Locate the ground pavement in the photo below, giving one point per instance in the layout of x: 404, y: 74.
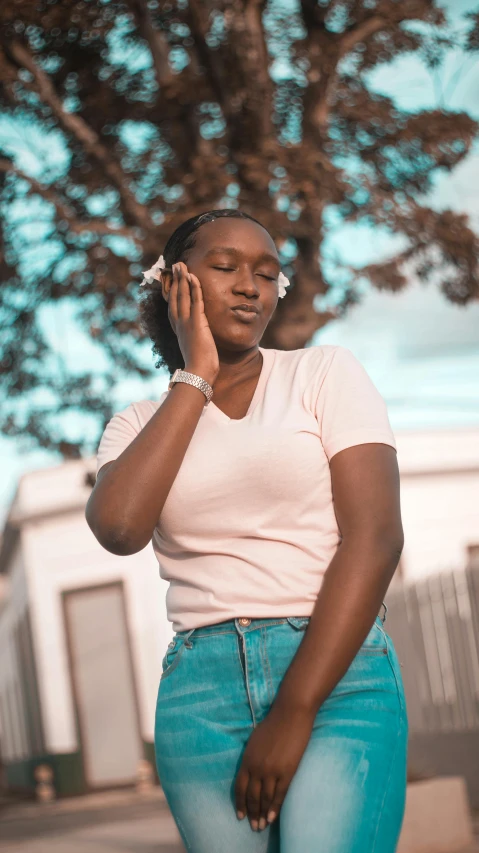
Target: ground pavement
x: 112, y: 822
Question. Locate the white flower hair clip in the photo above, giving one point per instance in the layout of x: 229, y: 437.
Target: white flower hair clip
x: 153, y: 274
x: 283, y: 283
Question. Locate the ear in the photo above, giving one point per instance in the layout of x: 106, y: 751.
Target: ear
x: 166, y: 281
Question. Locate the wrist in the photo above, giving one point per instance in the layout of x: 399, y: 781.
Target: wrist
x: 295, y: 698
x: 203, y: 373
x: 297, y: 713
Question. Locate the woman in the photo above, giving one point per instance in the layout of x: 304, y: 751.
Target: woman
x: 268, y: 482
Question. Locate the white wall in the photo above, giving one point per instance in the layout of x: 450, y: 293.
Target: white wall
x: 439, y: 474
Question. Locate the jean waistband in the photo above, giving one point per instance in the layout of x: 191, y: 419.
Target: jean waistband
x: 229, y: 626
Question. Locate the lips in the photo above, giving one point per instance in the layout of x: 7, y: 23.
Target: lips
x: 245, y: 307
x: 244, y: 315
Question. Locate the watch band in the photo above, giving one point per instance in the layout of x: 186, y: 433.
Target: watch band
x: 191, y: 379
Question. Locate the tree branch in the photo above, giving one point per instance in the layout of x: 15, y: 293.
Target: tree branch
x: 64, y: 211
x: 157, y: 43
x: 177, y: 89
x: 361, y: 32
x: 325, y: 52
x: 84, y: 134
x: 238, y: 73
x: 206, y: 56
x: 255, y: 69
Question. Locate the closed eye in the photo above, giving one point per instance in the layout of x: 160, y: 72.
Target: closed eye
x: 232, y: 269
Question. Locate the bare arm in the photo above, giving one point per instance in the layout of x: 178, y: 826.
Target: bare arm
x: 365, y: 480
x: 130, y: 492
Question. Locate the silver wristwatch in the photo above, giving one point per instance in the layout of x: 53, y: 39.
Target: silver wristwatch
x: 191, y: 379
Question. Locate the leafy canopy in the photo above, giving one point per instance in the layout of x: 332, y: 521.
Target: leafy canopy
x: 122, y: 119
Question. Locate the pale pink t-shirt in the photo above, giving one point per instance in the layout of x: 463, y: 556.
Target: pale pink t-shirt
x: 248, y: 528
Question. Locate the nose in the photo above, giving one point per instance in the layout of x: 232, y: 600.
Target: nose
x: 245, y: 281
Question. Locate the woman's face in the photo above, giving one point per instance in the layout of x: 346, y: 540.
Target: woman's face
x: 236, y: 262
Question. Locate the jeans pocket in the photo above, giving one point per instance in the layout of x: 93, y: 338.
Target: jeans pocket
x: 300, y: 623
x: 376, y: 642
x: 172, y: 656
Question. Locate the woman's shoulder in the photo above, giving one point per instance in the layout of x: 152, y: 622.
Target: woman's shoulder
x: 311, y: 351
x: 314, y: 357
x: 139, y: 412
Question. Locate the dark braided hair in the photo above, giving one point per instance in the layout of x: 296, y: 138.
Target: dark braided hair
x: 153, y: 308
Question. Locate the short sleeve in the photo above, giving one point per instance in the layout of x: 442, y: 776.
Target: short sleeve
x: 118, y: 434
x: 349, y: 408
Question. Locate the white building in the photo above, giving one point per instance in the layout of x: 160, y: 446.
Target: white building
x: 83, y: 632
x: 439, y: 499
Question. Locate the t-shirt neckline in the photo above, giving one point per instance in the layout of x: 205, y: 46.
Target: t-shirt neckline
x: 217, y: 413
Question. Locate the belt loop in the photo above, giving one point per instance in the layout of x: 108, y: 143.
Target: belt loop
x: 187, y: 642
x: 385, y: 611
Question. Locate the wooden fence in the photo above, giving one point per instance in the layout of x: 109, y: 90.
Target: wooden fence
x: 434, y: 624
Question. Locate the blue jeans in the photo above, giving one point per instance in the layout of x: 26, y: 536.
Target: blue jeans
x: 348, y: 793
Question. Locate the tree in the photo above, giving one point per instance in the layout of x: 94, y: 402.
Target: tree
x: 159, y: 110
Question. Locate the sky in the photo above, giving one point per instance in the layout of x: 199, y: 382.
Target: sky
x: 421, y: 351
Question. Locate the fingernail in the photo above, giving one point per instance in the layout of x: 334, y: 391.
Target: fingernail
x: 271, y: 816
x: 262, y: 823
x: 254, y: 825
x: 240, y: 815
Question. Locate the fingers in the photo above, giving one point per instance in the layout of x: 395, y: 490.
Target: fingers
x: 173, y: 300
x: 253, y: 801
x: 267, y: 795
x: 179, y: 298
x: 241, y: 786
x: 183, y: 292
x: 277, y: 801
x: 196, y: 292
x: 259, y: 799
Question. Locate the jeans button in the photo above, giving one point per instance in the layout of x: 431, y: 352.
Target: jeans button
x: 244, y: 622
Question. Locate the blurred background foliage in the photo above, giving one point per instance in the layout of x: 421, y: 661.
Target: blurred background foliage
x: 121, y: 119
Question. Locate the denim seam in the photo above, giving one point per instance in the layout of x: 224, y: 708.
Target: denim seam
x: 398, y: 688
x: 218, y: 633
x: 269, y: 625
x: 371, y: 650
x: 367, y: 650
x: 302, y: 624
x: 247, y: 682
x: 381, y: 627
x: 267, y: 668
x: 178, y: 654
x: 383, y: 618
x: 212, y: 634
x: 386, y: 788
x: 238, y: 651
x: 173, y: 663
x: 183, y: 833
